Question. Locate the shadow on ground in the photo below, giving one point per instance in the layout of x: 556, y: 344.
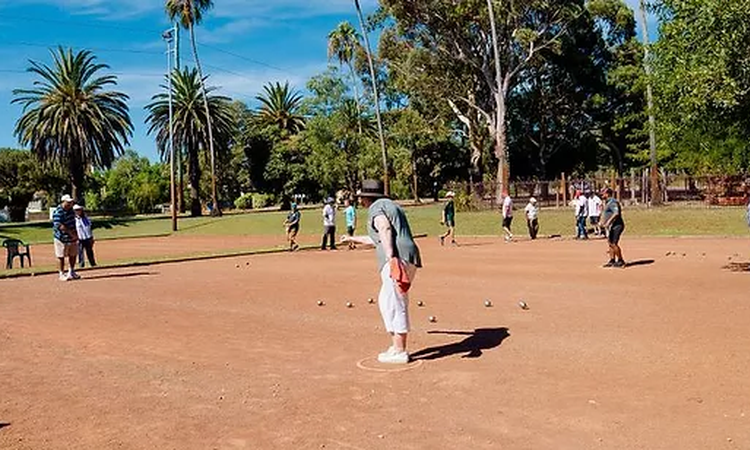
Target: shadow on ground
x: 475, y: 343
x: 640, y: 262
x: 107, y: 276
x: 738, y: 267
x: 4, y: 424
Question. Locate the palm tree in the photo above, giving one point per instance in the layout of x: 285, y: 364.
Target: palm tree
x: 190, y: 122
x: 280, y: 108
x: 377, y: 99
x: 190, y: 13
x: 69, y: 117
x: 343, y: 43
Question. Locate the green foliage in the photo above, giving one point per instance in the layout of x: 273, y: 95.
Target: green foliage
x: 70, y: 117
x: 280, y: 108
x: 467, y: 202
x: 244, y: 201
x: 262, y: 201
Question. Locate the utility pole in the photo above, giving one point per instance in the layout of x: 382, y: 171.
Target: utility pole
x: 655, y: 190
x: 169, y: 38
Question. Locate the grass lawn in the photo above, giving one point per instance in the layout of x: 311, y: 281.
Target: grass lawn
x: 667, y: 221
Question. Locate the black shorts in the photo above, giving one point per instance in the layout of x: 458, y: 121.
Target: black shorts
x: 293, y: 230
x: 615, y: 232
x: 350, y: 231
x: 507, y: 221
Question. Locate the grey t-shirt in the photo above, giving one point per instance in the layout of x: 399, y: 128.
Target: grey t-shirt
x: 403, y: 241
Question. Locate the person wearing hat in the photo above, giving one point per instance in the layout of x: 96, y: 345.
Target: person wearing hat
x: 532, y: 218
x: 85, y: 236
x: 398, y: 261
x: 65, y: 237
x: 329, y: 224
x: 292, y: 227
x: 615, y: 226
x: 595, y: 205
x: 582, y: 213
x: 449, y: 219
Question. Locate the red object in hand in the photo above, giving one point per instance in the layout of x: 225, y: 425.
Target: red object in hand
x: 399, y: 275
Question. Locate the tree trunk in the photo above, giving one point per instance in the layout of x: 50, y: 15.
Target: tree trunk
x: 181, y: 181
x: 194, y: 176
x: 656, y: 199
x: 415, y: 177
x: 381, y: 134
x: 356, y: 96
x: 501, y: 139
x: 216, y: 210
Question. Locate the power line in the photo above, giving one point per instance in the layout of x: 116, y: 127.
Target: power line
x: 237, y: 55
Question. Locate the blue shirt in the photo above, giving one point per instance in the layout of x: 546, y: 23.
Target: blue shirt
x: 351, y: 216
x: 66, y: 218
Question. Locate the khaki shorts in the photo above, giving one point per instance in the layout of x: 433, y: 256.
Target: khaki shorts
x: 63, y: 250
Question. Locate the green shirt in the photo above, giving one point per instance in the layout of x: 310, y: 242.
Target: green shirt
x: 450, y: 212
x: 403, y: 241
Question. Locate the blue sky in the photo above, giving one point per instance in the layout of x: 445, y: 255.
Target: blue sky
x: 278, y: 40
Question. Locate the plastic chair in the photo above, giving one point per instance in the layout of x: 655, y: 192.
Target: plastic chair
x: 13, y: 247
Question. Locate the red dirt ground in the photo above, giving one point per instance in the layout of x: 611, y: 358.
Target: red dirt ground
x: 206, y: 356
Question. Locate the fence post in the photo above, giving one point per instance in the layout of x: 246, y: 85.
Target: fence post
x: 564, y: 188
x: 632, y: 186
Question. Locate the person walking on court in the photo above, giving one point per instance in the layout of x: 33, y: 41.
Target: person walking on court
x: 532, y: 218
x: 65, y: 238
x: 595, y: 211
x: 292, y: 227
x: 85, y: 237
x: 398, y: 261
x: 581, y: 210
x: 350, y: 213
x: 615, y: 226
x: 449, y: 219
x: 507, y: 216
x: 329, y: 224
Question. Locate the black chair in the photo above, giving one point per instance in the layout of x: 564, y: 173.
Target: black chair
x: 13, y: 247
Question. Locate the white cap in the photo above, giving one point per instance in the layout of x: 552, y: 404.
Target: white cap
x: 77, y: 207
x: 66, y: 199
x: 450, y: 194
x: 532, y: 200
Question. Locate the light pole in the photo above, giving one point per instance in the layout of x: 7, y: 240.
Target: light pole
x: 169, y: 36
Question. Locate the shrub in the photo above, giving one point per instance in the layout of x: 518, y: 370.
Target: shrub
x: 466, y: 202
x: 262, y: 201
x: 245, y: 201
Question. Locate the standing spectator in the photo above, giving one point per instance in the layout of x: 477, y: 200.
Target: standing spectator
x: 615, y: 226
x: 449, y: 219
x: 532, y: 218
x: 595, y: 206
x: 581, y: 210
x: 398, y: 261
x: 65, y: 238
x: 329, y: 224
x: 507, y: 216
x: 292, y: 227
x: 85, y: 237
x: 351, y: 220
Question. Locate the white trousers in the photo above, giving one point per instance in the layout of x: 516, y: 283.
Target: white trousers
x: 394, y: 306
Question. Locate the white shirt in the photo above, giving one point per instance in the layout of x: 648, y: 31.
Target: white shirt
x: 83, y: 227
x: 595, y: 206
x: 507, y: 207
x: 532, y: 212
x: 329, y: 216
x: 582, y: 206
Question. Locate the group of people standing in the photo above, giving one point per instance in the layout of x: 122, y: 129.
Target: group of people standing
x: 73, y: 237
x: 588, y: 208
x: 292, y: 224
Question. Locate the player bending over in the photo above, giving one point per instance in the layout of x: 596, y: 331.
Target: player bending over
x: 398, y: 259
x: 615, y: 226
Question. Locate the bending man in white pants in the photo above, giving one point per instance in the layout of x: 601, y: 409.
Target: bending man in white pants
x: 398, y: 260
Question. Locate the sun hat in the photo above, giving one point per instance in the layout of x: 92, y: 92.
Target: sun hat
x: 450, y: 194
x: 77, y: 207
x: 532, y: 200
x: 66, y: 199
x: 372, y: 189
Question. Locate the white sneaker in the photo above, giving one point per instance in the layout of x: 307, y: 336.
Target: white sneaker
x: 387, y: 353
x: 394, y: 358
x: 64, y: 277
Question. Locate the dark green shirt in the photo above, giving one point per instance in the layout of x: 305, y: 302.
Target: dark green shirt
x: 450, y: 212
x: 403, y: 241
x: 613, y: 208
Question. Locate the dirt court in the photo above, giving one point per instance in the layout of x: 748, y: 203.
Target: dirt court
x: 207, y: 356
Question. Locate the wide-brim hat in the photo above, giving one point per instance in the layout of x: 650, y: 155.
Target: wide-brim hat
x: 78, y: 207
x: 450, y: 194
x: 372, y: 189
x: 532, y: 200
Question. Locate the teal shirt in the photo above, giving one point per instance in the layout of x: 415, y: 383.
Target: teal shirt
x: 450, y: 212
x: 351, y: 216
x: 403, y: 240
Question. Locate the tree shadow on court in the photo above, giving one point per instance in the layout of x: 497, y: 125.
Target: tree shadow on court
x: 640, y: 262
x: 475, y: 343
x: 738, y: 267
x: 107, y: 276
x: 4, y: 424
